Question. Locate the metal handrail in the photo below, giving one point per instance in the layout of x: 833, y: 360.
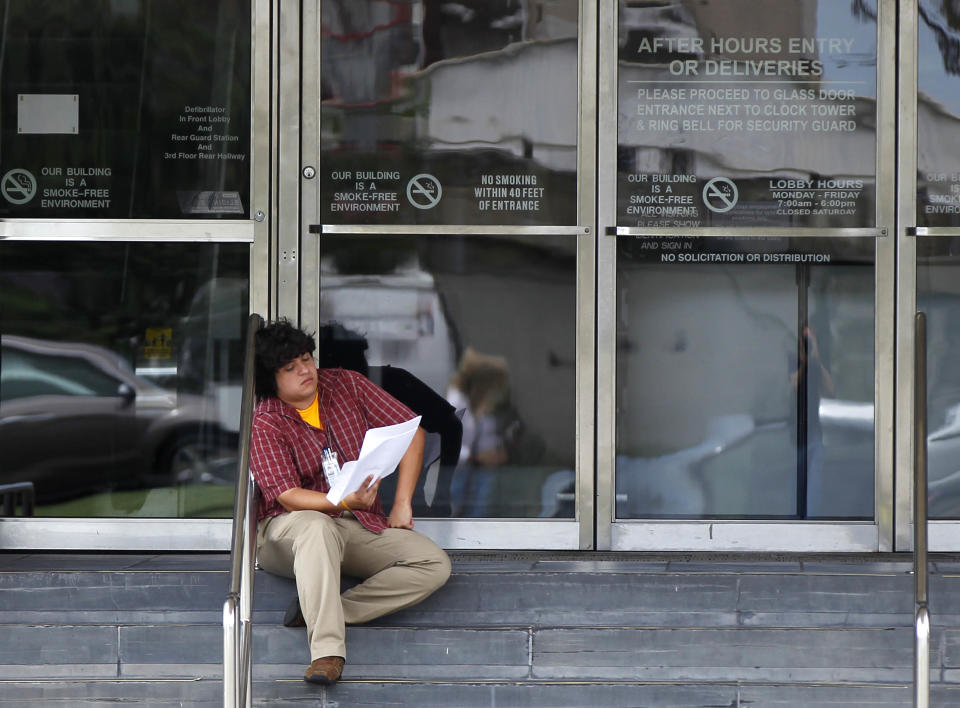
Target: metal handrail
x: 22, y: 491
x: 921, y: 635
x: 238, y: 607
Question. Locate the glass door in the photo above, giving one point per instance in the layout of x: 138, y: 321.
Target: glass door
x: 929, y: 234
x: 445, y: 243
x: 128, y: 198
x: 746, y: 299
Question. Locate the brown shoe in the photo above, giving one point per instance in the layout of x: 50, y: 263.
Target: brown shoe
x: 324, y: 671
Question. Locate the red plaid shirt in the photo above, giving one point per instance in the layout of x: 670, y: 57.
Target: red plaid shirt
x: 285, y: 450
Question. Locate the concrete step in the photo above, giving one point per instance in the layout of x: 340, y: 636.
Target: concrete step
x: 466, y: 694
x: 574, y: 594
x: 522, y: 654
x: 526, y: 630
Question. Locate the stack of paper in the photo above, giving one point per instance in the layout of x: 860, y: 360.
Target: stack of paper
x: 380, y: 453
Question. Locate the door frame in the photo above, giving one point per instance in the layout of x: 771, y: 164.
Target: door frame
x: 302, y: 231
x: 734, y: 535
x: 942, y: 534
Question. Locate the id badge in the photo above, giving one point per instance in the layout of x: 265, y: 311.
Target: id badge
x: 331, y: 468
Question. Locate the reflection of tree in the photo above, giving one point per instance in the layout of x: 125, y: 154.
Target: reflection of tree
x: 466, y: 28
x: 951, y: 10
x: 134, y: 65
x: 107, y: 294
x: 864, y: 10
x: 944, y: 28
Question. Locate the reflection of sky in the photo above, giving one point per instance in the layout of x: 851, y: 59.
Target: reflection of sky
x: 835, y: 19
x: 932, y: 78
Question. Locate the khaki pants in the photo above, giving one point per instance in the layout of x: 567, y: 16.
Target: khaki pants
x: 400, y: 568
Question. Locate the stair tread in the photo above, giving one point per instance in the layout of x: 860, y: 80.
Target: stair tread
x: 492, y: 599
x: 470, y: 694
x: 531, y: 630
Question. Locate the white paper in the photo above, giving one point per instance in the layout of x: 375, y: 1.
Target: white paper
x: 380, y: 454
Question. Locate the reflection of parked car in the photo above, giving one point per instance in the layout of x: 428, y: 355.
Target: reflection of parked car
x: 74, y: 418
x: 943, y: 466
x: 744, y: 468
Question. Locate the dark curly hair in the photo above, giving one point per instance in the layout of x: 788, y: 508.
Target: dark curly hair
x: 276, y: 344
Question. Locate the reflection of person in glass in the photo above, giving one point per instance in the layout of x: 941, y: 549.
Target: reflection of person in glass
x: 480, y: 388
x: 811, y: 380
x: 304, y: 415
x: 344, y: 348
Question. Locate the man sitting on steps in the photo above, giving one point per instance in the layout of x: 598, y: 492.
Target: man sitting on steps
x: 301, y: 412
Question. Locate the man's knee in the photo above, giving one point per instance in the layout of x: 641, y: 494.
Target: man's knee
x: 445, y: 570
x: 438, y: 566
x: 312, y: 530
x: 430, y: 563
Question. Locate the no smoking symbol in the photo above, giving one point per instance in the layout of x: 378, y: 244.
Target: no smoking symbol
x: 18, y: 186
x: 424, y: 191
x: 720, y: 195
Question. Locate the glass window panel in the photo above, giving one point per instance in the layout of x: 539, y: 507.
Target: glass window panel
x: 488, y: 324
x: 938, y: 295
x: 120, y: 375
x: 738, y: 112
x: 938, y: 108
x: 125, y: 109
x: 744, y: 379
x: 449, y: 113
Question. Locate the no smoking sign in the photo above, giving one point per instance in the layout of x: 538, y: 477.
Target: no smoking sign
x: 18, y: 186
x: 424, y: 191
x: 720, y: 195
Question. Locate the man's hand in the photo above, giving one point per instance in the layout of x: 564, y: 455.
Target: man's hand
x: 364, y: 497
x: 408, y: 471
x: 401, y: 516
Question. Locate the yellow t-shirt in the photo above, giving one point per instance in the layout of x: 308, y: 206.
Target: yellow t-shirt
x: 311, y: 414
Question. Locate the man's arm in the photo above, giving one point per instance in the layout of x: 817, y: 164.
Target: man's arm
x: 401, y: 515
x: 380, y: 409
x: 408, y: 472
x: 299, y: 499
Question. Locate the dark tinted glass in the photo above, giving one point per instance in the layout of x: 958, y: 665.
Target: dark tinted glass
x: 738, y: 112
x: 125, y: 109
x: 120, y: 373
x: 449, y: 113
x: 744, y: 379
x: 938, y: 112
x: 485, y: 323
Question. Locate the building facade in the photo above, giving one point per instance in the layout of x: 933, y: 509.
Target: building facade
x: 664, y: 256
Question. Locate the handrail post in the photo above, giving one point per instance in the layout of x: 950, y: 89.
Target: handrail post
x: 246, y: 594
x: 921, y: 661
x: 11, y: 493
x: 230, y: 658
x: 238, y: 607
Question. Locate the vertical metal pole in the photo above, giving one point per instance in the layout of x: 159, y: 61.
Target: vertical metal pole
x: 246, y: 593
x: 586, y: 320
x: 921, y: 662
x: 230, y: 652
x: 920, y: 457
x: 606, y: 274
x: 803, y: 388
x: 238, y: 608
